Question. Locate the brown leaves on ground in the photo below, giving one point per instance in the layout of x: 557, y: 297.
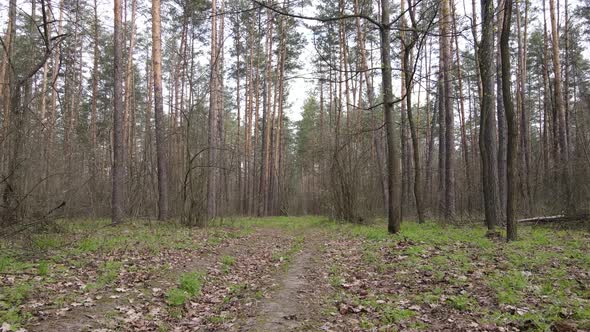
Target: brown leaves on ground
x: 278, y: 277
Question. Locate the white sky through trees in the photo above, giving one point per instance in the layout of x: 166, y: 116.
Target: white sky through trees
x: 300, y: 83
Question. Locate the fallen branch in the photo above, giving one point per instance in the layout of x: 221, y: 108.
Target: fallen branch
x: 557, y: 218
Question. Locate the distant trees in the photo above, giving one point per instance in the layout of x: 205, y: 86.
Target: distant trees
x: 132, y: 122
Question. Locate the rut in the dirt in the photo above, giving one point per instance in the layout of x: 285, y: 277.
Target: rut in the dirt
x: 292, y: 306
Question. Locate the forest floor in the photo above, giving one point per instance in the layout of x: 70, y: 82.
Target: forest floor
x: 281, y: 274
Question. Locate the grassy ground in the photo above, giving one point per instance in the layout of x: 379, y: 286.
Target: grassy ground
x: 429, y: 277
x: 455, y: 273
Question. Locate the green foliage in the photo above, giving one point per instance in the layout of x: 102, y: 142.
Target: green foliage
x: 509, y: 286
x: 14, y: 317
x: 10, y: 300
x: 227, y: 262
x: 47, y: 242
x: 11, y: 264
x: 89, y: 245
x: 189, y: 286
x: 176, y: 297
x: 43, y: 268
x: 335, y: 276
x: 461, y: 302
x: 392, y: 315
x: 191, y: 283
x: 109, y: 271
x: 308, y: 129
x: 16, y: 294
x: 365, y: 324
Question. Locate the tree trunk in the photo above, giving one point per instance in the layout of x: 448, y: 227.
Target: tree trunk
x: 117, y: 204
x: 487, y: 140
x: 511, y: 232
x: 464, y: 147
x: 377, y: 142
x: 393, y: 167
x: 93, y: 112
x: 449, y: 116
x: 501, y: 113
x: 559, y: 106
x: 525, y: 146
x: 213, y: 178
x: 161, y: 145
x: 128, y: 116
x: 408, y: 76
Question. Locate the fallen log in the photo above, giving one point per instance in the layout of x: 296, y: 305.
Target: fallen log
x: 557, y: 218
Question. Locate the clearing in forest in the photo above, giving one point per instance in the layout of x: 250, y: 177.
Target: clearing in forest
x: 279, y: 274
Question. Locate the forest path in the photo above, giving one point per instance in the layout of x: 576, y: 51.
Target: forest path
x: 296, y: 300
x: 305, y: 274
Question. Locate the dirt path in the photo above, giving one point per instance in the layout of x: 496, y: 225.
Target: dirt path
x: 295, y: 304
x: 287, y: 267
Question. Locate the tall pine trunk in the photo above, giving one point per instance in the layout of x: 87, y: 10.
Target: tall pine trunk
x: 118, y: 196
x: 511, y: 232
x: 393, y: 166
x: 161, y: 146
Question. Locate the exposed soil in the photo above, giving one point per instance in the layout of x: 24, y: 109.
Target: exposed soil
x: 296, y: 301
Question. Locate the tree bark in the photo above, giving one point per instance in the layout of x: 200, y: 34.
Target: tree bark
x: 487, y: 139
x: 501, y: 113
x: 393, y: 167
x: 408, y: 81
x: 560, y: 112
x: 161, y: 145
x: 117, y: 205
x: 212, y: 177
x: 128, y: 123
x: 511, y: 230
x: 449, y: 116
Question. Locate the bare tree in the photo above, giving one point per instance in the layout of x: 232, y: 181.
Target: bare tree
x: 487, y: 138
x: 393, y: 166
x: 161, y: 145
x: 511, y: 232
x: 118, y: 198
x: 448, y: 107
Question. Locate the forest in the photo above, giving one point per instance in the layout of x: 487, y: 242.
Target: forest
x: 294, y: 165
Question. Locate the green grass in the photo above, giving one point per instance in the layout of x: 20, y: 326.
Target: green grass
x: 10, y: 264
x: 335, y: 277
x: 109, y: 271
x: 509, y: 286
x: 176, y: 297
x: 189, y: 286
x: 89, y: 245
x: 227, y: 262
x: 45, y: 242
x: 395, y: 315
x: 285, y: 256
x: 534, y: 272
x: 462, y: 302
x: 191, y: 283
x: 10, y: 300
x: 43, y: 268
